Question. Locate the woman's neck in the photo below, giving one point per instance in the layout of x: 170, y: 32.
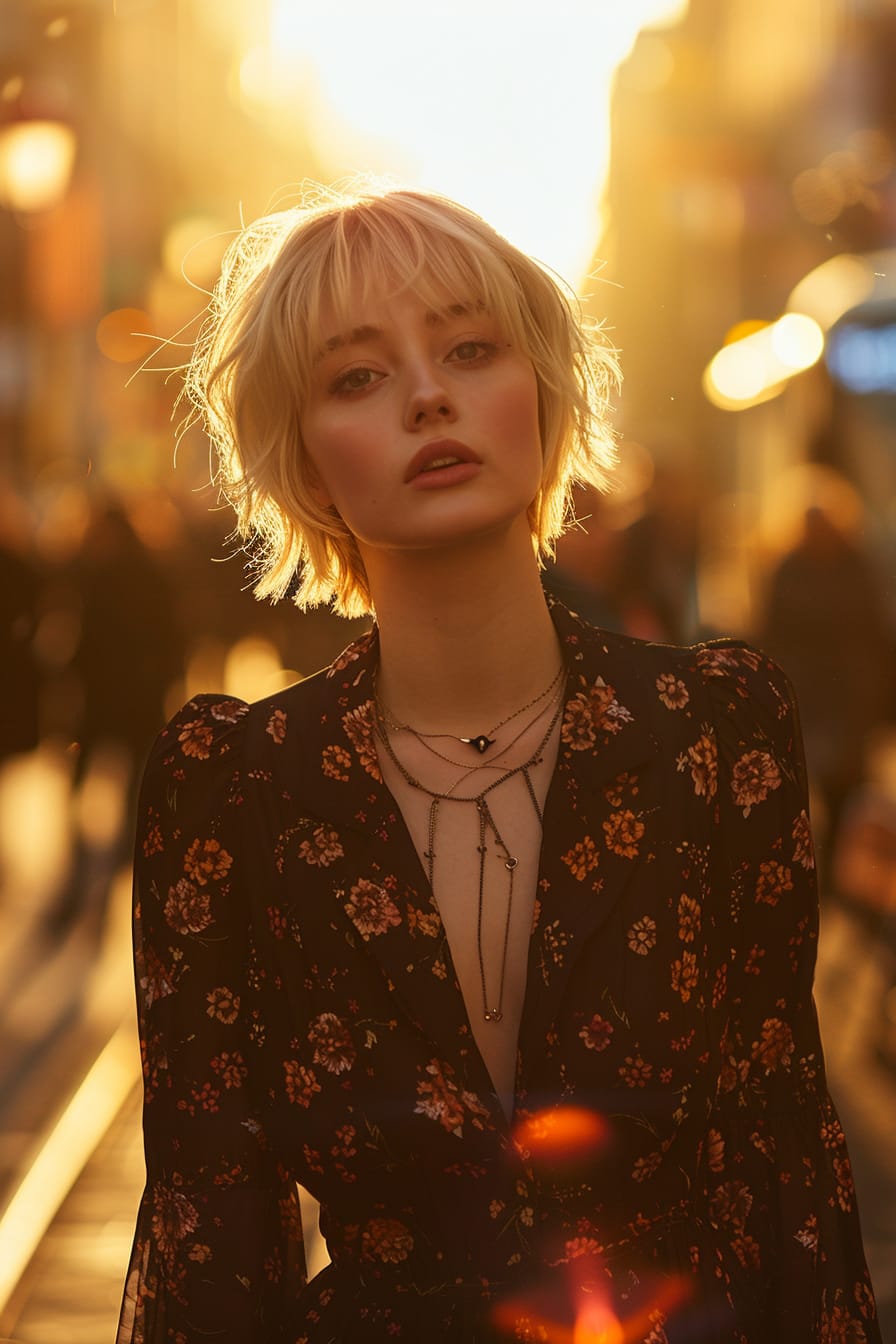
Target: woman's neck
x: 465, y: 637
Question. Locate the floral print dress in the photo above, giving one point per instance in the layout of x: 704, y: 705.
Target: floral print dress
x: 674, y: 1170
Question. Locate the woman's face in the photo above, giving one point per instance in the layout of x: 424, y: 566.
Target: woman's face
x: 422, y: 426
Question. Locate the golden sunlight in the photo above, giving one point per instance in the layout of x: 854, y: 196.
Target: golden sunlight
x: 504, y: 106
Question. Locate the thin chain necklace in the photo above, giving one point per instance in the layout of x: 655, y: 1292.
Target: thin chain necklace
x: 492, y: 1007
x: 481, y: 741
x: 491, y: 764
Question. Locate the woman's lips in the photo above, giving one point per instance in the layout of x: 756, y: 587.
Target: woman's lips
x: 438, y: 458
x: 437, y: 477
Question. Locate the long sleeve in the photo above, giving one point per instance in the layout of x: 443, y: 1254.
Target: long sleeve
x: 779, y: 1183
x: 218, y: 1240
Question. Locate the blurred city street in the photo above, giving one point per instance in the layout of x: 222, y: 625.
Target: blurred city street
x: 717, y: 181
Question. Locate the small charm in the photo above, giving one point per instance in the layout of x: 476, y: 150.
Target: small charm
x: 510, y: 864
x: 481, y: 743
x: 493, y: 1014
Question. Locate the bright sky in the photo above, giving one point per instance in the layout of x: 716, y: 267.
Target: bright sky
x: 501, y: 104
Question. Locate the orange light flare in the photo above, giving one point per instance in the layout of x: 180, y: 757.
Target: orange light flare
x: 596, y: 1321
x: 562, y: 1136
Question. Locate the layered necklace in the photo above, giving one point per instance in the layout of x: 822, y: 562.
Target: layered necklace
x: 550, y: 704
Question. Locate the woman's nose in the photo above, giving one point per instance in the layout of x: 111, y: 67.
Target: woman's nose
x: 428, y: 399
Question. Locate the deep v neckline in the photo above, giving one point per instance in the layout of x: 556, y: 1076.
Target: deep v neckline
x: 405, y: 834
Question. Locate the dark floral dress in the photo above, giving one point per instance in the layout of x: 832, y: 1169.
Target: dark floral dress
x: 674, y: 1170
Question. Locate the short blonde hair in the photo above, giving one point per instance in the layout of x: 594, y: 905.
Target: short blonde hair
x: 250, y: 371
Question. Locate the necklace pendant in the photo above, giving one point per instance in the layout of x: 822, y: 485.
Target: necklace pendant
x: 493, y: 1014
x: 481, y: 743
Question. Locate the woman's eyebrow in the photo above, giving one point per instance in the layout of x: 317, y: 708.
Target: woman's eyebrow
x: 433, y: 317
x: 357, y: 336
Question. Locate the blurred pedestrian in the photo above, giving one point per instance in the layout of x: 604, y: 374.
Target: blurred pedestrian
x: 130, y: 649
x: 825, y: 620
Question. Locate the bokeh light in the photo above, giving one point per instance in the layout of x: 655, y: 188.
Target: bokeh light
x: 756, y: 366
x: 125, y: 335
x: 36, y: 159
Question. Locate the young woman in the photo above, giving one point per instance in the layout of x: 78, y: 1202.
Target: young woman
x: 498, y: 935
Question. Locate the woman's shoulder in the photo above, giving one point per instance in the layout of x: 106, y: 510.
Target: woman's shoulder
x: 725, y: 683
x: 727, y: 667
x: 204, y: 731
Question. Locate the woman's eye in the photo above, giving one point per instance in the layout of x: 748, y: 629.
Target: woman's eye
x: 354, y: 380
x: 468, y: 352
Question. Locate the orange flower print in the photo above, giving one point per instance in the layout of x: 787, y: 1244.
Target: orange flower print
x: 582, y: 858
x: 685, y: 975
x: 577, y: 729
x: 223, y: 1004
x: 775, y: 1047
x: 721, y: 662
x: 323, y: 848
x: 155, y: 979
x: 635, y: 1072
x: 642, y: 936
x: 688, y: 918
x: 277, y: 726
x: 173, y: 1219
x: 831, y: 1133
x: 807, y: 1235
x: 206, y: 861
x: 334, y: 762
x: 764, y: 1144
x: 622, y: 832
x: 153, y: 840
x: 187, y: 909
x: 845, y: 1187
x: 715, y: 1150
x: 731, y: 1203
x: 720, y: 985
x: 386, y: 1240
x: 702, y: 759
x: 426, y: 922
x: 645, y: 1167
x: 608, y: 715
x: 753, y: 778
x: 773, y: 881
x: 837, y: 1326
x: 371, y: 909
x: 229, y: 711
x: 349, y: 655
x: 803, y: 852
x: 597, y: 1033
x: 865, y: 1299
x: 230, y: 1068
x: 332, y: 1042
x: 439, y: 1099
x: 657, y: 1335
x: 575, y: 1249
x: 673, y: 692
x: 195, y: 739
x: 300, y: 1083
x: 358, y: 727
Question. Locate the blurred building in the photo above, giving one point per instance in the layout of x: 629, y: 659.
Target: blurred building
x: 751, y: 144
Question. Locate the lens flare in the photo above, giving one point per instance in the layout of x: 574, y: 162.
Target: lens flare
x: 561, y: 1135
x: 597, y: 1324
x: 577, y: 1308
